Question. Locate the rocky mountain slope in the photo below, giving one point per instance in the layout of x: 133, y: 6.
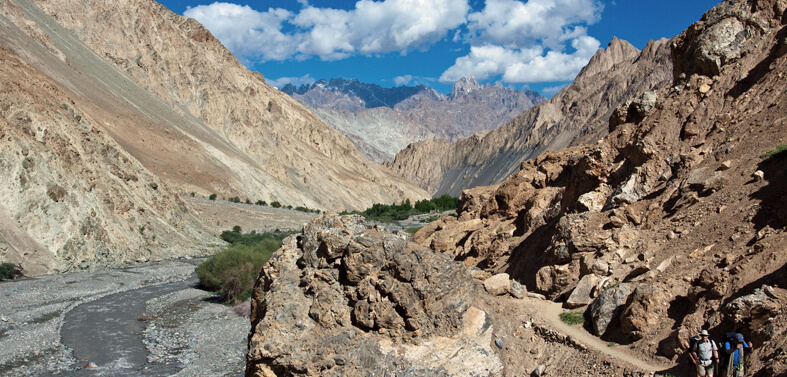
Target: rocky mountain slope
x: 672, y: 223
x: 111, y: 110
x: 383, y: 121
x: 579, y: 113
x: 250, y: 140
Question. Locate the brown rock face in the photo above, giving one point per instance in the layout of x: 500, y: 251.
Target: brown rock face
x: 578, y: 114
x: 669, y: 205
x: 347, y: 299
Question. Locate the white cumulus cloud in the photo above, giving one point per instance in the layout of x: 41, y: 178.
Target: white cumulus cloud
x: 513, y: 23
x: 372, y: 27
x: 532, y: 41
x: 517, y: 40
x: 247, y: 32
x: 403, y: 80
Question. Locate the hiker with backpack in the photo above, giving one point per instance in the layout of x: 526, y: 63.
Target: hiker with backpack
x: 734, y: 347
x: 703, y: 353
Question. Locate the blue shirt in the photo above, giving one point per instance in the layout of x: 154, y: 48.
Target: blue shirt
x: 737, y: 354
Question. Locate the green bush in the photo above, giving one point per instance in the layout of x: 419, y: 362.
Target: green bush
x: 212, y: 197
x: 573, y: 318
x: 233, y: 271
x: 10, y: 271
x: 276, y: 204
x: 261, y: 203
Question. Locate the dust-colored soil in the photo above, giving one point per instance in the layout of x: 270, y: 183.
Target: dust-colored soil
x: 533, y: 335
x: 220, y: 215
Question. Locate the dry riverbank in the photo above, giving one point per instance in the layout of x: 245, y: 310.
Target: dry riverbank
x: 33, y: 311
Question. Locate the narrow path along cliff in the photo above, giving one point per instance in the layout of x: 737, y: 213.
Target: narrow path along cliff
x: 550, y: 312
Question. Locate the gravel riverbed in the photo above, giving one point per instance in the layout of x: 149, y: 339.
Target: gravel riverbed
x: 185, y: 332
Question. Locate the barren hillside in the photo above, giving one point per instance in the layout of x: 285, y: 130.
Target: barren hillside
x: 214, y: 126
x: 112, y: 109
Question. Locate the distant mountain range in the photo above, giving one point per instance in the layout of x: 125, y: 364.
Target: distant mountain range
x: 383, y: 121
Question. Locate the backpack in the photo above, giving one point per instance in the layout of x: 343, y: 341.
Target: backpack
x: 692, y: 341
x: 726, y: 338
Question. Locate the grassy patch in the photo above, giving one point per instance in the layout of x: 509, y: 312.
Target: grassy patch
x: 573, y: 318
x: 413, y: 230
x: 779, y: 152
x: 232, y: 272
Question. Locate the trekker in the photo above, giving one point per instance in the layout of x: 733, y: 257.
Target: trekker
x: 735, y: 351
x: 703, y: 354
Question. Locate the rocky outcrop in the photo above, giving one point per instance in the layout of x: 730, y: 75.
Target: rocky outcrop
x: 348, y: 299
x: 578, y: 114
x: 679, y: 209
x: 383, y: 121
x: 194, y: 116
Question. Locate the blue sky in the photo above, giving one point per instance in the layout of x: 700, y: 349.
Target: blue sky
x: 540, y: 44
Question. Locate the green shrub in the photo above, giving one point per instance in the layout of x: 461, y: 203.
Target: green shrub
x: 779, y: 152
x: 212, y: 197
x: 193, y: 194
x: 261, y: 203
x: 9, y: 271
x: 573, y: 318
x: 396, y: 212
x: 233, y: 271
x: 276, y: 204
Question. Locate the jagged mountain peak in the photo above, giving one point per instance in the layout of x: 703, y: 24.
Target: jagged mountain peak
x: 464, y: 86
x: 617, y: 51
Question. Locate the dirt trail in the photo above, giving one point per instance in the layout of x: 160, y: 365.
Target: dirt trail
x: 550, y: 312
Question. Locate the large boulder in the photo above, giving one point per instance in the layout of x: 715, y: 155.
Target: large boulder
x: 722, y: 37
x: 756, y: 309
x: 497, y: 285
x: 645, y: 311
x: 606, y: 307
x: 581, y: 295
x: 347, y: 299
